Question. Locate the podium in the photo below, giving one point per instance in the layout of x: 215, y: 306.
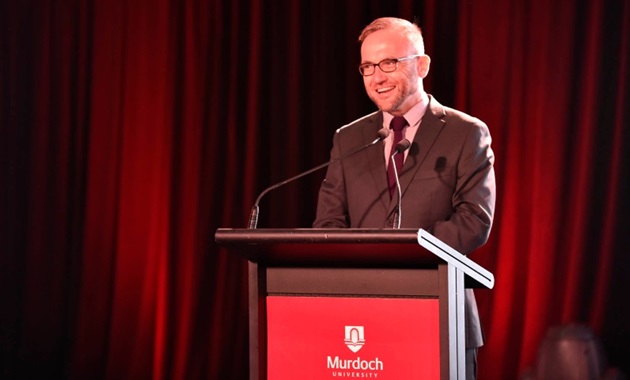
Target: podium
x: 370, y: 303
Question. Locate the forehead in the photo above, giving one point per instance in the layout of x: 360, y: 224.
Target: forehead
x: 388, y: 43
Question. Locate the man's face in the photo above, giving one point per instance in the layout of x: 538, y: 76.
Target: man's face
x: 395, y: 92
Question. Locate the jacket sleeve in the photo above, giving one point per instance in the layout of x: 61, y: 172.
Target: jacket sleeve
x: 473, y: 198
x: 332, y: 204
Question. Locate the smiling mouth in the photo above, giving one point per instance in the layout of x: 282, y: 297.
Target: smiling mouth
x: 383, y: 90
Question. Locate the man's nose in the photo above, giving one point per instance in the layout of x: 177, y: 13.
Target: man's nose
x: 379, y: 75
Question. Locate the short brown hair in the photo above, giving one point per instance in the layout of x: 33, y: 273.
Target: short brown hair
x: 410, y: 30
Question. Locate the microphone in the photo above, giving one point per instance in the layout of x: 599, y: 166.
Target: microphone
x: 402, y: 146
x: 253, y: 216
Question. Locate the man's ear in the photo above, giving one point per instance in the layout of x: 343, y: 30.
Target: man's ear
x: 424, y: 63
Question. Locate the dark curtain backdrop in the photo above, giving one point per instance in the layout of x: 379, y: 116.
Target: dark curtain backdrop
x: 131, y: 130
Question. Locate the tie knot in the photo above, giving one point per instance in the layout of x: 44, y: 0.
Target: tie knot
x: 398, y: 123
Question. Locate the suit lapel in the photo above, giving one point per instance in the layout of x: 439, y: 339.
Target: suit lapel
x: 376, y: 159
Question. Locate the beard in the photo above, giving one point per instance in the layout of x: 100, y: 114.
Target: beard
x: 406, y: 89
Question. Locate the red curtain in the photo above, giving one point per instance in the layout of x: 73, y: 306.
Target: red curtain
x: 130, y: 131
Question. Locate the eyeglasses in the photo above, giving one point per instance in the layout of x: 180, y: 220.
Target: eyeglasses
x: 387, y: 65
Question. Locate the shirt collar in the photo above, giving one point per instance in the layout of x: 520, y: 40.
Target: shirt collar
x: 413, y: 116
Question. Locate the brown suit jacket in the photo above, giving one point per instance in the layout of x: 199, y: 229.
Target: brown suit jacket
x: 447, y: 182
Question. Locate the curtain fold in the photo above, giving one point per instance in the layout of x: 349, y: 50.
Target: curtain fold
x: 131, y: 131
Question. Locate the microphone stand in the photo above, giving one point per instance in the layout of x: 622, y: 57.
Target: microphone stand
x: 402, y: 146
x: 253, y: 216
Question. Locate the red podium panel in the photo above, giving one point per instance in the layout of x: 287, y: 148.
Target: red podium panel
x: 352, y: 337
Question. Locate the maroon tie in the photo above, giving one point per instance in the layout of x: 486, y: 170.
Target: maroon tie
x: 397, y: 125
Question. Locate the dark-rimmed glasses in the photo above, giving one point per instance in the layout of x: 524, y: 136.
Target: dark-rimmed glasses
x: 387, y: 65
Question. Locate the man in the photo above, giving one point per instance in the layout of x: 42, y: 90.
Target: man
x: 447, y: 179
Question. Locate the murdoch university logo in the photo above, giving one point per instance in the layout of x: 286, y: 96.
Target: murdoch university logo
x: 355, y: 338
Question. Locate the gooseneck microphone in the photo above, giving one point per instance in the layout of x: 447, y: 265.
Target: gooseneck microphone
x: 253, y: 216
x: 402, y: 146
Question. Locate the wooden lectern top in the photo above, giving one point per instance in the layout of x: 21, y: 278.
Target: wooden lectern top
x: 330, y: 247
x: 349, y: 247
